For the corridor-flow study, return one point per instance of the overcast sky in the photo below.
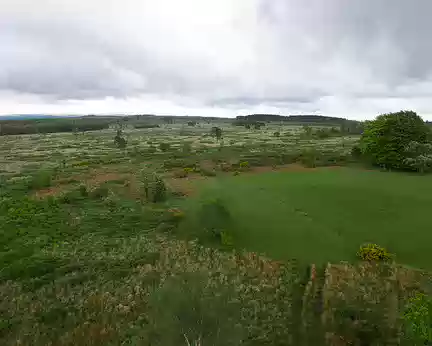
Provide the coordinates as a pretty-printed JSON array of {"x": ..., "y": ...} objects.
[{"x": 354, "y": 59}]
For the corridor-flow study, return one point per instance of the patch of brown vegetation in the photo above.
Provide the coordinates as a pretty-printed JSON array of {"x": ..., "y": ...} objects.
[{"x": 184, "y": 186}]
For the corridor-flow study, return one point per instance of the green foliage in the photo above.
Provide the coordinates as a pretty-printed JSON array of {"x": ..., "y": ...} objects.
[
  {"x": 418, "y": 320},
  {"x": 164, "y": 146},
  {"x": 154, "y": 188},
  {"x": 187, "y": 147},
  {"x": 99, "y": 192},
  {"x": 420, "y": 156},
  {"x": 385, "y": 139},
  {"x": 276, "y": 134},
  {"x": 207, "y": 172},
  {"x": 216, "y": 132},
  {"x": 119, "y": 140},
  {"x": 185, "y": 311},
  {"x": 373, "y": 252},
  {"x": 215, "y": 218},
  {"x": 356, "y": 152},
  {"x": 17, "y": 127},
  {"x": 192, "y": 123},
  {"x": 244, "y": 166},
  {"x": 40, "y": 180},
  {"x": 146, "y": 126}
]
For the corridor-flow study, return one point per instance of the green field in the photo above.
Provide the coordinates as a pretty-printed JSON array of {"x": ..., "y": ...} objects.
[{"x": 325, "y": 215}]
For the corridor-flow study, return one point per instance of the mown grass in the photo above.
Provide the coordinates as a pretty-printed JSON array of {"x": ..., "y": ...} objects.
[{"x": 324, "y": 214}]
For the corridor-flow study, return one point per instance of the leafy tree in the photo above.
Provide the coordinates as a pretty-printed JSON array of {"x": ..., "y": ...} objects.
[
  {"x": 420, "y": 156},
  {"x": 385, "y": 139}
]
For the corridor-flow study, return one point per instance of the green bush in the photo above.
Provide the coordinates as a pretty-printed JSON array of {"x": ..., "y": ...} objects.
[
  {"x": 40, "y": 180},
  {"x": 186, "y": 311},
  {"x": 154, "y": 189},
  {"x": 244, "y": 166},
  {"x": 385, "y": 139},
  {"x": 164, "y": 146},
  {"x": 373, "y": 252},
  {"x": 418, "y": 320},
  {"x": 215, "y": 218},
  {"x": 356, "y": 152},
  {"x": 99, "y": 192},
  {"x": 207, "y": 172},
  {"x": 276, "y": 134}
]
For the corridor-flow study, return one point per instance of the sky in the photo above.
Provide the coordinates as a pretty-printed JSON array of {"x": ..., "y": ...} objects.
[{"x": 354, "y": 59}]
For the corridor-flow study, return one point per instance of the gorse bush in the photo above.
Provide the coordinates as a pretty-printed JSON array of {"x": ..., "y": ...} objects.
[
  {"x": 385, "y": 139},
  {"x": 373, "y": 252}
]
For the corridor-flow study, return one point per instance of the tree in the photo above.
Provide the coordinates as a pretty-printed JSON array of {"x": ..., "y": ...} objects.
[
  {"x": 216, "y": 132},
  {"x": 385, "y": 139}
]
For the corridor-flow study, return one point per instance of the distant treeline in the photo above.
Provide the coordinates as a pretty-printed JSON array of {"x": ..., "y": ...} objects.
[
  {"x": 345, "y": 125},
  {"x": 20, "y": 127},
  {"x": 307, "y": 119}
]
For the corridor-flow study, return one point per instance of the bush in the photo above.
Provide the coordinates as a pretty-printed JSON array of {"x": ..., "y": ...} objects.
[
  {"x": 356, "y": 152},
  {"x": 418, "y": 320},
  {"x": 385, "y": 139},
  {"x": 164, "y": 146},
  {"x": 244, "y": 166},
  {"x": 276, "y": 134},
  {"x": 99, "y": 192},
  {"x": 207, "y": 172},
  {"x": 215, "y": 218},
  {"x": 373, "y": 252},
  {"x": 154, "y": 188},
  {"x": 186, "y": 311},
  {"x": 40, "y": 180}
]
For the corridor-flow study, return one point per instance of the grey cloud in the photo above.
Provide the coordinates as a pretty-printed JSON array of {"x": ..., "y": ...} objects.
[{"x": 289, "y": 54}]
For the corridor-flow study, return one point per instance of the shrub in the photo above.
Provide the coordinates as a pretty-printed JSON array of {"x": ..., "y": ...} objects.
[
  {"x": 276, "y": 134},
  {"x": 154, "y": 188},
  {"x": 164, "y": 146},
  {"x": 418, "y": 320},
  {"x": 244, "y": 166},
  {"x": 373, "y": 252},
  {"x": 215, "y": 218},
  {"x": 187, "y": 147},
  {"x": 99, "y": 192},
  {"x": 180, "y": 174},
  {"x": 385, "y": 139},
  {"x": 186, "y": 311},
  {"x": 40, "y": 180},
  {"x": 207, "y": 172},
  {"x": 356, "y": 152}
]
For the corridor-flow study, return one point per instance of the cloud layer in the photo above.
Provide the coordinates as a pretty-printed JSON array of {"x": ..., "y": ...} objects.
[{"x": 216, "y": 57}]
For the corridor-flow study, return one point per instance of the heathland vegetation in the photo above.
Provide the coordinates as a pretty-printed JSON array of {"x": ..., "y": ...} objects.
[{"x": 263, "y": 230}]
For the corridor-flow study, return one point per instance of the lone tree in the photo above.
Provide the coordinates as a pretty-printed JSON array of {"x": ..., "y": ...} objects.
[
  {"x": 385, "y": 139},
  {"x": 216, "y": 132}
]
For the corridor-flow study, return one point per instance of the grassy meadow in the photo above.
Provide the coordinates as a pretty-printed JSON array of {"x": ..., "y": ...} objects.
[
  {"x": 255, "y": 237},
  {"x": 323, "y": 215}
]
